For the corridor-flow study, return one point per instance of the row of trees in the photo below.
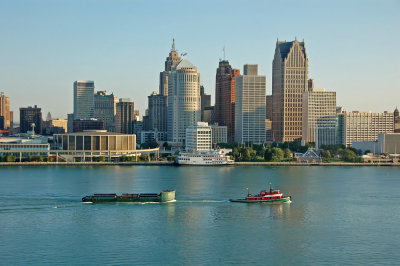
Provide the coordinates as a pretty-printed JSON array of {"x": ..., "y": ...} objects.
[
  {"x": 332, "y": 152},
  {"x": 259, "y": 153}
]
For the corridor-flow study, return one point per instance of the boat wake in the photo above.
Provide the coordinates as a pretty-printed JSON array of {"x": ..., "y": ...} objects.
[{"x": 202, "y": 201}]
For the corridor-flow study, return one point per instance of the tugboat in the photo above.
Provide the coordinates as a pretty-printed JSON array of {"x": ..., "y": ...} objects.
[
  {"x": 163, "y": 196},
  {"x": 270, "y": 196}
]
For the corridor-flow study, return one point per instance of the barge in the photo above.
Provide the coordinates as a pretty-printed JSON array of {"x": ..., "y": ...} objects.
[{"x": 163, "y": 196}]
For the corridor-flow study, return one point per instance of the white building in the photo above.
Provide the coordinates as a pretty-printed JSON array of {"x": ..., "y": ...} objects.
[
  {"x": 386, "y": 143},
  {"x": 198, "y": 137},
  {"x": 250, "y": 108},
  {"x": 184, "y": 102},
  {"x": 365, "y": 126},
  {"x": 83, "y": 99},
  {"x": 319, "y": 117},
  {"x": 219, "y": 133}
]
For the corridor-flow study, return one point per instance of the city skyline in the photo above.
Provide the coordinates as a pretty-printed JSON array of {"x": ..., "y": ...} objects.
[{"x": 47, "y": 49}]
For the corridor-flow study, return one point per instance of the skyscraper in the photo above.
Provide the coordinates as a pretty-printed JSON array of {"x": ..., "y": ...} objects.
[
  {"x": 125, "y": 116},
  {"x": 225, "y": 85},
  {"x": 105, "y": 108},
  {"x": 171, "y": 61},
  {"x": 29, "y": 116},
  {"x": 319, "y": 117},
  {"x": 158, "y": 114},
  {"x": 289, "y": 81},
  {"x": 83, "y": 99},
  {"x": 205, "y": 102},
  {"x": 5, "y": 110},
  {"x": 184, "y": 103},
  {"x": 250, "y": 109}
]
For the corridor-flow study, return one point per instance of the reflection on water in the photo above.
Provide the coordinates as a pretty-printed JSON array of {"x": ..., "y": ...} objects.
[{"x": 339, "y": 215}]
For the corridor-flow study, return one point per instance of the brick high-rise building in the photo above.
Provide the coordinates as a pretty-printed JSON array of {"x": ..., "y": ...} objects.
[
  {"x": 29, "y": 116},
  {"x": 225, "y": 88},
  {"x": 5, "y": 110},
  {"x": 125, "y": 116},
  {"x": 157, "y": 113},
  {"x": 289, "y": 81}
]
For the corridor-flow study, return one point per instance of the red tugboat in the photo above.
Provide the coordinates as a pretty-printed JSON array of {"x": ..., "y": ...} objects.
[{"x": 271, "y": 196}]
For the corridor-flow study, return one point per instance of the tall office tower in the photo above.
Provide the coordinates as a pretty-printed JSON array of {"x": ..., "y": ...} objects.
[
  {"x": 225, "y": 85},
  {"x": 170, "y": 62},
  {"x": 289, "y": 81},
  {"x": 205, "y": 102},
  {"x": 105, "y": 108},
  {"x": 70, "y": 126},
  {"x": 319, "y": 117},
  {"x": 5, "y": 110},
  {"x": 158, "y": 113},
  {"x": 29, "y": 116},
  {"x": 250, "y": 106},
  {"x": 396, "y": 121},
  {"x": 184, "y": 102},
  {"x": 364, "y": 126},
  {"x": 198, "y": 137},
  {"x": 83, "y": 99},
  {"x": 124, "y": 116},
  {"x": 268, "y": 119}
]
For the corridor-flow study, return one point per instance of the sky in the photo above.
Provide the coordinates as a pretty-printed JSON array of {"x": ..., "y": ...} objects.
[{"x": 45, "y": 45}]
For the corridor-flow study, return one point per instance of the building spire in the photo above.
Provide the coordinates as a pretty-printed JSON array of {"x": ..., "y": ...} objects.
[{"x": 173, "y": 45}]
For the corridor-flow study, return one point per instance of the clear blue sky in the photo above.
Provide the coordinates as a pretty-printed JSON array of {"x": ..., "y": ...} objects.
[{"x": 353, "y": 46}]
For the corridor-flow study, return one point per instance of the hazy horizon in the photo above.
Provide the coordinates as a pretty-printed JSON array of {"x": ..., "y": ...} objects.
[{"x": 122, "y": 46}]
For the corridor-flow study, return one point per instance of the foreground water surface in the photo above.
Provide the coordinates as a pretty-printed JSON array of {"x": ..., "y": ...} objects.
[{"x": 339, "y": 215}]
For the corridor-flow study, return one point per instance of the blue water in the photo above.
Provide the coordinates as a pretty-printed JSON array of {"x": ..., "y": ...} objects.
[{"x": 339, "y": 215}]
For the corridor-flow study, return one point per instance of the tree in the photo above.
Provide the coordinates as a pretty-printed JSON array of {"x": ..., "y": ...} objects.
[
  {"x": 325, "y": 154},
  {"x": 348, "y": 155},
  {"x": 11, "y": 158},
  {"x": 277, "y": 154},
  {"x": 268, "y": 154},
  {"x": 287, "y": 154}
]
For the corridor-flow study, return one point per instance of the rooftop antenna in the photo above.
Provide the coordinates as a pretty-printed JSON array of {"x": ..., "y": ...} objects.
[
  {"x": 173, "y": 44},
  {"x": 223, "y": 49}
]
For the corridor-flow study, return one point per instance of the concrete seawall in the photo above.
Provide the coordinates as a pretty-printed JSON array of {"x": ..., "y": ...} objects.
[{"x": 164, "y": 163}]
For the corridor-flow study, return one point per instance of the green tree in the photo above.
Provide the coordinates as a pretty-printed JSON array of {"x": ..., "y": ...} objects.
[
  {"x": 268, "y": 154},
  {"x": 11, "y": 158},
  {"x": 277, "y": 154},
  {"x": 246, "y": 154},
  {"x": 286, "y": 153},
  {"x": 348, "y": 155},
  {"x": 325, "y": 154}
]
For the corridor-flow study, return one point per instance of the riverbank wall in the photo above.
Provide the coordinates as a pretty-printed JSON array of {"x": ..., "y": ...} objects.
[{"x": 167, "y": 163}]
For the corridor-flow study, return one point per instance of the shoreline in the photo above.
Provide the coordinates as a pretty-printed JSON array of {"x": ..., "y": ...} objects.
[{"x": 163, "y": 163}]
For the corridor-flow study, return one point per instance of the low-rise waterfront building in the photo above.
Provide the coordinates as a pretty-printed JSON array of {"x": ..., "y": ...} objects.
[
  {"x": 388, "y": 143},
  {"x": 198, "y": 137}
]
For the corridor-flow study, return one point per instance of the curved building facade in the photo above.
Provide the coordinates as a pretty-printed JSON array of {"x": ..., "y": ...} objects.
[
  {"x": 96, "y": 142},
  {"x": 184, "y": 102}
]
